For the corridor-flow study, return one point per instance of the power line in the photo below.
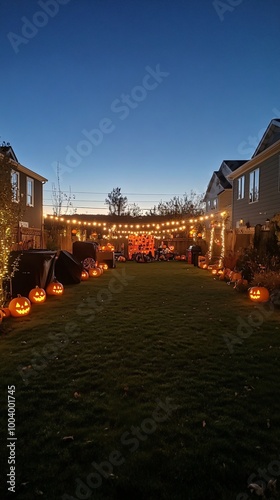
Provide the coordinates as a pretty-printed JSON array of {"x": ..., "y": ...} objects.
[{"x": 130, "y": 194}]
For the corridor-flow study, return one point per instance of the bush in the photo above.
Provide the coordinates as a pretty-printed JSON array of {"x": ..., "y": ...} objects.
[{"x": 269, "y": 279}]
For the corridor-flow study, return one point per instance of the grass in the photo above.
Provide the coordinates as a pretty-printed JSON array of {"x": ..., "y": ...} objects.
[{"x": 162, "y": 337}]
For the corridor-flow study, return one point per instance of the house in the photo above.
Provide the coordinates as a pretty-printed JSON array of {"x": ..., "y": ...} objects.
[
  {"x": 218, "y": 196},
  {"x": 256, "y": 183},
  {"x": 27, "y": 190}
]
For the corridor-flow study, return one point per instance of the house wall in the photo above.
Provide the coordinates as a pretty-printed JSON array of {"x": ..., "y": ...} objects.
[
  {"x": 32, "y": 215},
  {"x": 269, "y": 195}
]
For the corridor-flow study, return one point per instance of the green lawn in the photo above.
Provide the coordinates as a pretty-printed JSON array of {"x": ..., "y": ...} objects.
[{"x": 147, "y": 378}]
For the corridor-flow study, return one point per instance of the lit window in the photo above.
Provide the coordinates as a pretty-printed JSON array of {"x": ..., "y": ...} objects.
[
  {"x": 240, "y": 187},
  {"x": 215, "y": 203},
  {"x": 254, "y": 185},
  {"x": 15, "y": 185},
  {"x": 29, "y": 192}
]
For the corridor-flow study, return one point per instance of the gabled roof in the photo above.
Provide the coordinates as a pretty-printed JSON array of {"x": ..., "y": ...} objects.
[
  {"x": 221, "y": 178},
  {"x": 8, "y": 152},
  {"x": 271, "y": 135},
  {"x": 234, "y": 164}
]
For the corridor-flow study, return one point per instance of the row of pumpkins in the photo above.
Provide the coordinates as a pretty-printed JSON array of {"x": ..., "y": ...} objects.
[
  {"x": 21, "y": 306},
  {"x": 256, "y": 293}
]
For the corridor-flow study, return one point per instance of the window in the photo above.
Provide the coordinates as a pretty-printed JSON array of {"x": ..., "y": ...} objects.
[
  {"x": 215, "y": 203},
  {"x": 208, "y": 204},
  {"x": 15, "y": 185},
  {"x": 254, "y": 186},
  {"x": 240, "y": 187},
  {"x": 29, "y": 192}
]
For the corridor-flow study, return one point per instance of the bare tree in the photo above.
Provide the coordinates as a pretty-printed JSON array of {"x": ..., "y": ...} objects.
[
  {"x": 116, "y": 202},
  {"x": 133, "y": 210},
  {"x": 59, "y": 197},
  {"x": 190, "y": 204}
]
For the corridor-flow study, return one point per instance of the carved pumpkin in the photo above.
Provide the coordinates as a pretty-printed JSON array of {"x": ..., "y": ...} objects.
[
  {"x": 37, "y": 295},
  {"x": 95, "y": 272},
  {"x": 5, "y": 312},
  {"x": 84, "y": 275},
  {"x": 20, "y": 306},
  {"x": 183, "y": 257},
  {"x": 259, "y": 294},
  {"x": 121, "y": 258},
  {"x": 55, "y": 288},
  {"x": 104, "y": 266}
]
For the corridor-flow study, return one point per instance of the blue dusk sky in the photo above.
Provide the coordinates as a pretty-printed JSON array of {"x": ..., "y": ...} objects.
[{"x": 147, "y": 95}]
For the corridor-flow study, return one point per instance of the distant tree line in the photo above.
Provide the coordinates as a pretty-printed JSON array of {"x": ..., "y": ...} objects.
[{"x": 189, "y": 204}]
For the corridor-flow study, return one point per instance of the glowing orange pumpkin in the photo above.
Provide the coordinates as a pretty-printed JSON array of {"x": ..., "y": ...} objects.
[
  {"x": 178, "y": 257},
  {"x": 20, "y": 306},
  {"x": 104, "y": 266},
  {"x": 37, "y": 295},
  {"x": 183, "y": 257},
  {"x": 259, "y": 294},
  {"x": 95, "y": 272},
  {"x": 55, "y": 288},
  {"x": 235, "y": 276},
  {"x": 121, "y": 258},
  {"x": 84, "y": 275}
]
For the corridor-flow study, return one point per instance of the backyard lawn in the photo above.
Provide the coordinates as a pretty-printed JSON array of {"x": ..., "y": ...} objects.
[{"x": 151, "y": 382}]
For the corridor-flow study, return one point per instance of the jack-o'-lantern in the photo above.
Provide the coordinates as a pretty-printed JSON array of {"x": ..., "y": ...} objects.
[
  {"x": 37, "y": 295},
  {"x": 178, "y": 257},
  {"x": 55, "y": 288},
  {"x": 259, "y": 294},
  {"x": 214, "y": 272},
  {"x": 104, "y": 266},
  {"x": 5, "y": 312},
  {"x": 84, "y": 275},
  {"x": 20, "y": 306},
  {"x": 183, "y": 257},
  {"x": 94, "y": 272},
  {"x": 121, "y": 258}
]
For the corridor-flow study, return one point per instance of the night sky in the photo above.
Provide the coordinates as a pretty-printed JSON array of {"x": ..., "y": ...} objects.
[{"x": 149, "y": 95}]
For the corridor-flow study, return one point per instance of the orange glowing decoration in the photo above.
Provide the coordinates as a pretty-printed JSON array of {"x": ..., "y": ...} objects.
[
  {"x": 95, "y": 272},
  {"x": 104, "y": 266},
  {"x": 259, "y": 294},
  {"x": 183, "y": 257},
  {"x": 20, "y": 306},
  {"x": 121, "y": 258},
  {"x": 37, "y": 295},
  {"x": 84, "y": 275},
  {"x": 55, "y": 288},
  {"x": 5, "y": 312},
  {"x": 235, "y": 276}
]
